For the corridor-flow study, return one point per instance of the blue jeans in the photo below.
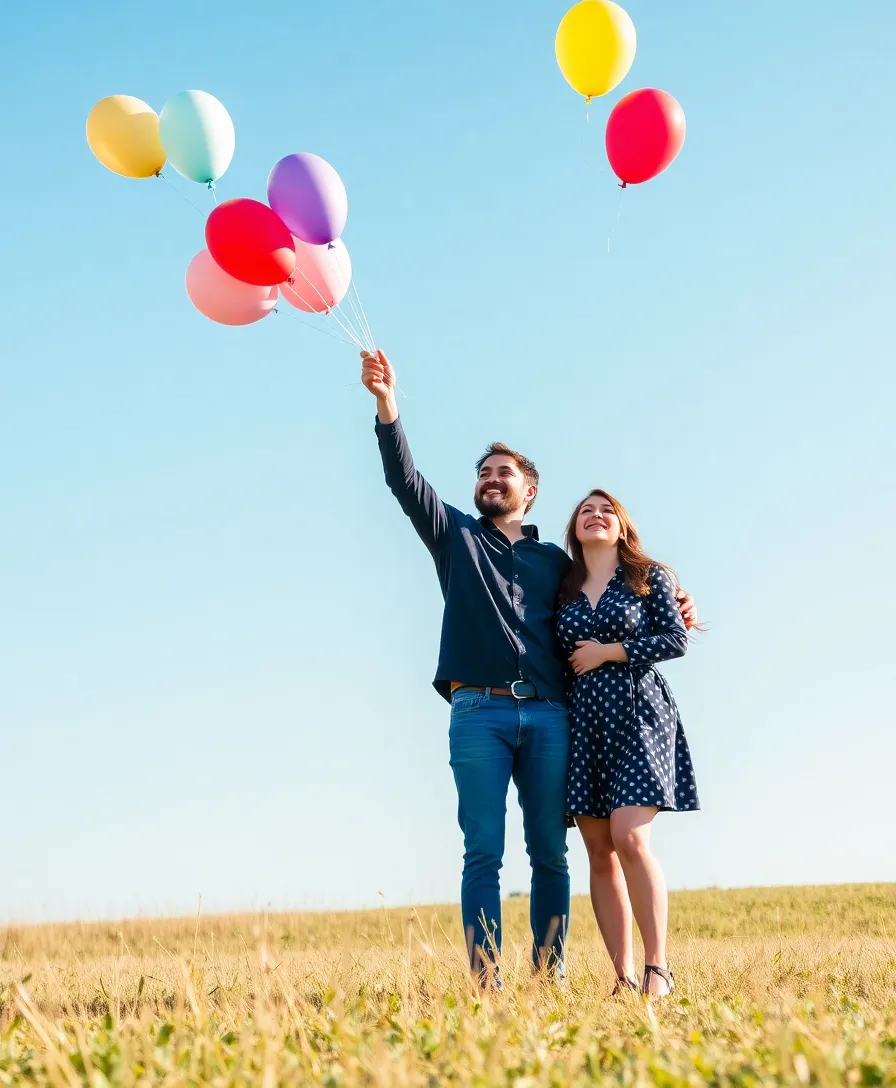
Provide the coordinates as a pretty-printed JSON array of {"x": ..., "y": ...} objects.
[{"x": 492, "y": 739}]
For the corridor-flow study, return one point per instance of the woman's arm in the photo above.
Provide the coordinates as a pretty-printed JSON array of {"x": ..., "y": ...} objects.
[{"x": 668, "y": 638}]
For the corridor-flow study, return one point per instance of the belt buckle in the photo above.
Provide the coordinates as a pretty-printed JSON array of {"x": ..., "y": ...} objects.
[{"x": 519, "y": 698}]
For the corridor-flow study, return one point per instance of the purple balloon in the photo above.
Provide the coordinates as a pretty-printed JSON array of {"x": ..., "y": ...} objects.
[{"x": 308, "y": 195}]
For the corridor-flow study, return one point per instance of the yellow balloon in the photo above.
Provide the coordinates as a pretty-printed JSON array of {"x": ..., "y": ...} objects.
[
  {"x": 595, "y": 46},
  {"x": 123, "y": 133}
]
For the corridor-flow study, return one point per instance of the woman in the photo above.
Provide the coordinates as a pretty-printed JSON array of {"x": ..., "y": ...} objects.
[{"x": 629, "y": 760}]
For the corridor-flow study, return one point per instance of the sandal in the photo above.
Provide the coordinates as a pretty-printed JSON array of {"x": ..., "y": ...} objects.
[
  {"x": 660, "y": 972},
  {"x": 623, "y": 985}
]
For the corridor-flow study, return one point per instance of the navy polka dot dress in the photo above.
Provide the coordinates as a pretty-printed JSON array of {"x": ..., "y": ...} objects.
[{"x": 628, "y": 746}]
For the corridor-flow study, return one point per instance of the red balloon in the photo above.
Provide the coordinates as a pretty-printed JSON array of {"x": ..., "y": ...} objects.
[
  {"x": 250, "y": 242},
  {"x": 645, "y": 132}
]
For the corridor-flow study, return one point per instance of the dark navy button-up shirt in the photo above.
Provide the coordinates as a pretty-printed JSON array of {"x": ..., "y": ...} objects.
[{"x": 500, "y": 598}]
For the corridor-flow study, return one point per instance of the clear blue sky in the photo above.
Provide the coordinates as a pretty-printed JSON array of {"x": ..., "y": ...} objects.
[{"x": 217, "y": 629}]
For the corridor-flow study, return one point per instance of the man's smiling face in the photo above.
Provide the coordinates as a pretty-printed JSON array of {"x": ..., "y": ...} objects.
[{"x": 502, "y": 489}]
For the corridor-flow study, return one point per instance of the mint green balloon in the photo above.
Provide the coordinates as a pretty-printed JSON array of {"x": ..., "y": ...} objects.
[{"x": 197, "y": 135}]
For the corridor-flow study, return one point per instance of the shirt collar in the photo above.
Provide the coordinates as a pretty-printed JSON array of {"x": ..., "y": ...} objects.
[{"x": 530, "y": 531}]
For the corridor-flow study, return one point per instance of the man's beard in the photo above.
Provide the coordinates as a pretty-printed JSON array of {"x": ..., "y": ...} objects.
[{"x": 496, "y": 506}]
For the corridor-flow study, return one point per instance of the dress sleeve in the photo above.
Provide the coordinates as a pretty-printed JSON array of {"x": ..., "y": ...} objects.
[
  {"x": 667, "y": 637},
  {"x": 416, "y": 497}
]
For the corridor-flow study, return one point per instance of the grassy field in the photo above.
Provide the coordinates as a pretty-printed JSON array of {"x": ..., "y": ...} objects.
[{"x": 776, "y": 986}]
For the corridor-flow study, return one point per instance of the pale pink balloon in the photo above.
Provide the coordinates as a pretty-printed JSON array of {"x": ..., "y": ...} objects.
[
  {"x": 321, "y": 279},
  {"x": 222, "y": 298}
]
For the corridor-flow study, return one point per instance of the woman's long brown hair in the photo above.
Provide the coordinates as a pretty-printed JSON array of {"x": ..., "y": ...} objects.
[{"x": 635, "y": 564}]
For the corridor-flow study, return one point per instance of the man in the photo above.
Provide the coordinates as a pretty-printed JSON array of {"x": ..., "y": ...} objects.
[{"x": 500, "y": 669}]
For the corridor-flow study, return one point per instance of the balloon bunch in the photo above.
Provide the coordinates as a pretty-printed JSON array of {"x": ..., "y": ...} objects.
[
  {"x": 255, "y": 252},
  {"x": 595, "y": 48}
]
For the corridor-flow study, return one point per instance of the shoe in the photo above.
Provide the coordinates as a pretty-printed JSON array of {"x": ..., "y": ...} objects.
[
  {"x": 490, "y": 979},
  {"x": 549, "y": 967},
  {"x": 624, "y": 984},
  {"x": 660, "y": 972},
  {"x": 558, "y": 974}
]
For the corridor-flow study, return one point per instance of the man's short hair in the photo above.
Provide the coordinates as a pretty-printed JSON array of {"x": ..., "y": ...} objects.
[{"x": 526, "y": 467}]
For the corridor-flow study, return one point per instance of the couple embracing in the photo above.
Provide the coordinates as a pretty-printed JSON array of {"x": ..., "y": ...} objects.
[{"x": 548, "y": 661}]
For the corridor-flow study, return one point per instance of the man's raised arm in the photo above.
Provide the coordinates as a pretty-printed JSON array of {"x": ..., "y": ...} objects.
[{"x": 415, "y": 496}]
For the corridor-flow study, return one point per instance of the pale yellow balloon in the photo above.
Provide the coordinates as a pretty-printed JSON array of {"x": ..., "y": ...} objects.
[
  {"x": 123, "y": 133},
  {"x": 595, "y": 46}
]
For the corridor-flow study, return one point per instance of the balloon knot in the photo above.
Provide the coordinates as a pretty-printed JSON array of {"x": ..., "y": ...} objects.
[
  {"x": 623, "y": 184},
  {"x": 211, "y": 186},
  {"x": 587, "y": 99},
  {"x": 330, "y": 246}
]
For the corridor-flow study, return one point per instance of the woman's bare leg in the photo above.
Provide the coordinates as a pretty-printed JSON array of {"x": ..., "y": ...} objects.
[
  {"x": 630, "y": 833},
  {"x": 609, "y": 895}
]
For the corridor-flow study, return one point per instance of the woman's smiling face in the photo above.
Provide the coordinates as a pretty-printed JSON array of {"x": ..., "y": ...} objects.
[{"x": 597, "y": 522}]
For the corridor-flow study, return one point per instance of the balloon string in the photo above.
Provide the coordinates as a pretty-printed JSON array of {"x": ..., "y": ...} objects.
[
  {"x": 363, "y": 329},
  {"x": 368, "y": 343},
  {"x": 353, "y": 287},
  {"x": 582, "y": 140},
  {"x": 341, "y": 319},
  {"x": 616, "y": 220},
  {"x": 214, "y": 191},
  {"x": 338, "y": 311},
  {"x": 311, "y": 285},
  {"x": 349, "y": 329},
  {"x": 356, "y": 340},
  {"x": 316, "y": 328},
  {"x": 183, "y": 196}
]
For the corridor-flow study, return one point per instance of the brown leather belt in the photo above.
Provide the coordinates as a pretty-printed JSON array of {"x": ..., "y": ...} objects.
[
  {"x": 455, "y": 686},
  {"x": 473, "y": 687}
]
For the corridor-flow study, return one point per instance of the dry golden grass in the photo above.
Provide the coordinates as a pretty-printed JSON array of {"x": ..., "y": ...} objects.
[{"x": 776, "y": 986}]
